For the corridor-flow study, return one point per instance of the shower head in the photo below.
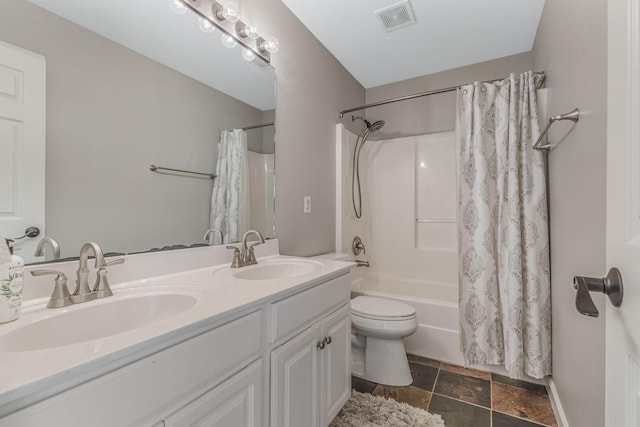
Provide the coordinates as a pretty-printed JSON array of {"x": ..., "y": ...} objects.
[
  {"x": 376, "y": 126},
  {"x": 366, "y": 122},
  {"x": 372, "y": 127}
]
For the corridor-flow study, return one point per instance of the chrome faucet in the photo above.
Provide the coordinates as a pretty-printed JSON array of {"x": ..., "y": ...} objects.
[
  {"x": 55, "y": 247},
  {"x": 61, "y": 297},
  {"x": 82, "y": 292},
  {"x": 208, "y": 235},
  {"x": 247, "y": 256},
  {"x": 247, "y": 251},
  {"x": 101, "y": 288}
]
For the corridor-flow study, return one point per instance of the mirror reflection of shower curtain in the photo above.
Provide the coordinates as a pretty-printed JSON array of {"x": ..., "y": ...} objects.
[{"x": 230, "y": 195}]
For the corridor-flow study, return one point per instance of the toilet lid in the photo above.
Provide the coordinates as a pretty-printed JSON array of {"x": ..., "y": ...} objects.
[{"x": 381, "y": 308}]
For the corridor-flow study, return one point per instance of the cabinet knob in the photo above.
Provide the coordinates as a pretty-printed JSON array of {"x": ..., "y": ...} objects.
[
  {"x": 327, "y": 340},
  {"x": 320, "y": 344}
]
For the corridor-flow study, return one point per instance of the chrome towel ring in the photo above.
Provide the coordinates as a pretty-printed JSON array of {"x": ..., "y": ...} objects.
[{"x": 574, "y": 116}]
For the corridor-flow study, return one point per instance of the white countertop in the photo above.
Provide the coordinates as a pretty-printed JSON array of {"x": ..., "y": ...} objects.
[{"x": 27, "y": 377}]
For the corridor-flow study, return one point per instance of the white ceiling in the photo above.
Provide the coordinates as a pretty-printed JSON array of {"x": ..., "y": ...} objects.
[
  {"x": 448, "y": 34},
  {"x": 152, "y": 29}
]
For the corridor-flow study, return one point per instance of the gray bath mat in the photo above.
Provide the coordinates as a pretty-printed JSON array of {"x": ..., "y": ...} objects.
[{"x": 366, "y": 410}]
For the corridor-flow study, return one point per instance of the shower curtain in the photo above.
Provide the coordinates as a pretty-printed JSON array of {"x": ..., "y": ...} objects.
[
  {"x": 503, "y": 248},
  {"x": 230, "y": 196}
]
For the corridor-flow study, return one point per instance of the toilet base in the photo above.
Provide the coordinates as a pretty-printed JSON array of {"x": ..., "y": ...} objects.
[{"x": 385, "y": 363}]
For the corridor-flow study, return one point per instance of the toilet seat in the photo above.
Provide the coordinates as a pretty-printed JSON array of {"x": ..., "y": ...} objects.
[
  {"x": 381, "y": 309},
  {"x": 383, "y": 328}
]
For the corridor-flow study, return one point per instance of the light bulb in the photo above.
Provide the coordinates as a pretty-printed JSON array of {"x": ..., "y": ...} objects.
[
  {"x": 270, "y": 44},
  {"x": 178, "y": 7},
  {"x": 248, "y": 54},
  {"x": 247, "y": 31},
  {"x": 253, "y": 31},
  {"x": 231, "y": 12},
  {"x": 205, "y": 25},
  {"x": 228, "y": 41}
]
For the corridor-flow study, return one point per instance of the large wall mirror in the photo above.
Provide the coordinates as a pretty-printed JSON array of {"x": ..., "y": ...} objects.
[{"x": 130, "y": 84}]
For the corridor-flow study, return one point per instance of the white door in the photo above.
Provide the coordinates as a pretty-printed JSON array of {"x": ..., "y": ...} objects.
[
  {"x": 22, "y": 145},
  {"x": 623, "y": 213}
]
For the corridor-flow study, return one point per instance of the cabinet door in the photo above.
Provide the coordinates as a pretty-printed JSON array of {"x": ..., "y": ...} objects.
[
  {"x": 236, "y": 402},
  {"x": 295, "y": 376},
  {"x": 336, "y": 362}
]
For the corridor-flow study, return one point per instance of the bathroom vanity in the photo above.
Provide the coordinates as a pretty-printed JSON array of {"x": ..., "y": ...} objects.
[{"x": 264, "y": 345}]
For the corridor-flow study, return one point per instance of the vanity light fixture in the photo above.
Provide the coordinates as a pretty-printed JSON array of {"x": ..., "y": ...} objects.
[
  {"x": 270, "y": 45},
  {"x": 226, "y": 17},
  {"x": 251, "y": 31},
  {"x": 231, "y": 12}
]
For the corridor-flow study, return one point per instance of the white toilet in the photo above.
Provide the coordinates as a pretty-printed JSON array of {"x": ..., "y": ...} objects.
[{"x": 378, "y": 326}]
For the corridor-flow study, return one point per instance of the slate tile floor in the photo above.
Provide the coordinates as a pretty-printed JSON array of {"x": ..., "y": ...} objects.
[{"x": 469, "y": 398}]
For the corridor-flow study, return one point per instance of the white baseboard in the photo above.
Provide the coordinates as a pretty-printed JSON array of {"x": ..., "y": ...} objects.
[{"x": 561, "y": 418}]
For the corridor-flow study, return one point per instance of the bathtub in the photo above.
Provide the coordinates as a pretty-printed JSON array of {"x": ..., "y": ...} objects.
[{"x": 438, "y": 335}]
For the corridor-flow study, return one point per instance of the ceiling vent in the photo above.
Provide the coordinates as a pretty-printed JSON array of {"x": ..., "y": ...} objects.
[{"x": 396, "y": 16}]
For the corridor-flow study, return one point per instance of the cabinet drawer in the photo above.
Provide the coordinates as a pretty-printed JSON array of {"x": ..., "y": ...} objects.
[{"x": 293, "y": 313}]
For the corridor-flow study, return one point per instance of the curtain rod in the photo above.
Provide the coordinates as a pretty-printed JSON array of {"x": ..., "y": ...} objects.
[
  {"x": 418, "y": 95},
  {"x": 259, "y": 126}
]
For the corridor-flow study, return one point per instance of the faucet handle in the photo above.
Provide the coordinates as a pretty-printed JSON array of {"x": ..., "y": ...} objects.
[
  {"x": 46, "y": 273},
  {"x": 357, "y": 246},
  {"x": 237, "y": 261},
  {"x": 102, "y": 287},
  {"x": 251, "y": 255},
  {"x": 60, "y": 296}
]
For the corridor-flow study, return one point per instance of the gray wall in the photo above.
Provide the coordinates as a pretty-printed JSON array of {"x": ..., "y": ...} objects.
[
  {"x": 110, "y": 114},
  {"x": 434, "y": 113},
  {"x": 571, "y": 46},
  {"x": 311, "y": 87}
]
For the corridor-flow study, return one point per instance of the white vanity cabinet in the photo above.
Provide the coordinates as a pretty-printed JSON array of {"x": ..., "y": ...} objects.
[
  {"x": 281, "y": 361},
  {"x": 215, "y": 365},
  {"x": 310, "y": 372}
]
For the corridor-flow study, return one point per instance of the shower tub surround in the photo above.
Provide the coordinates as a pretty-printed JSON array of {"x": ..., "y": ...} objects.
[
  {"x": 408, "y": 227},
  {"x": 228, "y": 357}
]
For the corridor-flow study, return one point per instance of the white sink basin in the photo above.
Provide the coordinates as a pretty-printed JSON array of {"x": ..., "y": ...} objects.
[
  {"x": 96, "y": 319},
  {"x": 276, "y": 269}
]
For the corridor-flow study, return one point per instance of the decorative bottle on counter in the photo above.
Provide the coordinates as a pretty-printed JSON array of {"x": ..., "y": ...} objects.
[{"x": 11, "y": 277}]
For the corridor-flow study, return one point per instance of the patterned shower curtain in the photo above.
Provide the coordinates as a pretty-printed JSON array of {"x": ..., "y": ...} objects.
[
  {"x": 503, "y": 248},
  {"x": 230, "y": 196}
]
